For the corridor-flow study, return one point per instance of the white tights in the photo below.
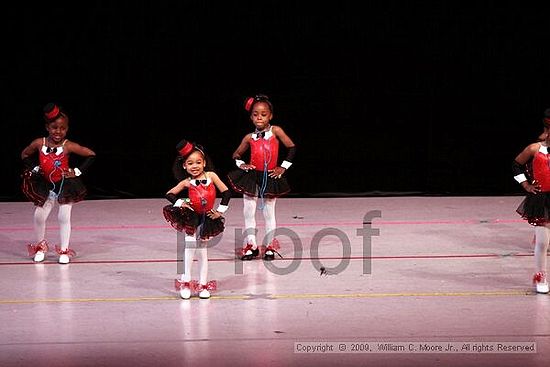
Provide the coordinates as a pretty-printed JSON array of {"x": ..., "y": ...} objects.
[
  {"x": 191, "y": 251},
  {"x": 41, "y": 214},
  {"x": 249, "y": 211},
  {"x": 542, "y": 237}
]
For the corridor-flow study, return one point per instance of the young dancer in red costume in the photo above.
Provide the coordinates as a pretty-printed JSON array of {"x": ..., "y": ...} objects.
[
  {"x": 195, "y": 215},
  {"x": 263, "y": 177},
  {"x": 532, "y": 170},
  {"x": 52, "y": 179}
]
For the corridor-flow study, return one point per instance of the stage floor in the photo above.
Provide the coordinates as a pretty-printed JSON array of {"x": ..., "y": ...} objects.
[{"x": 405, "y": 277}]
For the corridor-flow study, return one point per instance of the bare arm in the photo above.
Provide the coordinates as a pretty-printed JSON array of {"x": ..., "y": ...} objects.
[
  {"x": 182, "y": 185},
  {"x": 282, "y": 136},
  {"x": 527, "y": 153},
  {"x": 242, "y": 148},
  {"x": 31, "y": 148},
  {"x": 220, "y": 185},
  {"x": 29, "y": 161},
  {"x": 78, "y": 149}
]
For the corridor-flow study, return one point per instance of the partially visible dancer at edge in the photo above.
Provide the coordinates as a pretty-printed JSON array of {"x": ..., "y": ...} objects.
[{"x": 531, "y": 169}]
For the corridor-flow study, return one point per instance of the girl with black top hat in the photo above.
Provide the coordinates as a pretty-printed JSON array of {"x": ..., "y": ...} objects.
[
  {"x": 50, "y": 179},
  {"x": 195, "y": 215}
]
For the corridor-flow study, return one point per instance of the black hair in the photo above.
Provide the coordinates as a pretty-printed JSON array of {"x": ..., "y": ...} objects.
[
  {"x": 52, "y": 112},
  {"x": 180, "y": 173},
  {"x": 546, "y": 119},
  {"x": 261, "y": 98}
]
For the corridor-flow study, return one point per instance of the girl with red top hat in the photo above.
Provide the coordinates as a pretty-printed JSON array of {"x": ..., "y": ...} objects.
[
  {"x": 262, "y": 177},
  {"x": 195, "y": 215},
  {"x": 531, "y": 170},
  {"x": 52, "y": 179}
]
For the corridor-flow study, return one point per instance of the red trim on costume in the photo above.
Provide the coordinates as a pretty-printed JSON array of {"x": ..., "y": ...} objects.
[
  {"x": 538, "y": 277},
  {"x": 53, "y": 113},
  {"x": 248, "y": 246},
  {"x": 29, "y": 190},
  {"x": 547, "y": 120},
  {"x": 248, "y": 104},
  {"x": 68, "y": 251},
  {"x": 210, "y": 286},
  {"x": 186, "y": 149},
  {"x": 40, "y": 246},
  {"x": 274, "y": 245},
  {"x": 178, "y": 284},
  {"x": 194, "y": 285}
]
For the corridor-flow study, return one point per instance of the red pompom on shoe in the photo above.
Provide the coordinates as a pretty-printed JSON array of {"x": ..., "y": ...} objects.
[
  {"x": 248, "y": 253},
  {"x": 67, "y": 251},
  {"x": 271, "y": 250},
  {"x": 541, "y": 284},
  {"x": 40, "y": 246}
]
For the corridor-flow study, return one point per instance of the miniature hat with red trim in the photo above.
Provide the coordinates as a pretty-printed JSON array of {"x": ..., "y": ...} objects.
[
  {"x": 184, "y": 147},
  {"x": 51, "y": 112}
]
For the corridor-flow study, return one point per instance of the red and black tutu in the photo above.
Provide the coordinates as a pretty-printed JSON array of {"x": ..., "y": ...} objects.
[
  {"x": 185, "y": 220},
  {"x": 257, "y": 183},
  {"x": 37, "y": 189},
  {"x": 535, "y": 208}
]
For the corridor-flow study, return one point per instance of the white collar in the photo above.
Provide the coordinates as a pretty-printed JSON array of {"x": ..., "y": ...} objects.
[
  {"x": 193, "y": 181},
  {"x": 266, "y": 134},
  {"x": 58, "y": 150}
]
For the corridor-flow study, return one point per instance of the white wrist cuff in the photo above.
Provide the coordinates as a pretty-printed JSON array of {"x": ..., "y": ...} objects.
[
  {"x": 520, "y": 178},
  {"x": 36, "y": 169},
  {"x": 179, "y": 203},
  {"x": 77, "y": 172},
  {"x": 239, "y": 163},
  {"x": 222, "y": 208},
  {"x": 286, "y": 164}
]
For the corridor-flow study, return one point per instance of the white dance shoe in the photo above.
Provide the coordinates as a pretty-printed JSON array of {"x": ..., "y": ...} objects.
[
  {"x": 64, "y": 259},
  {"x": 39, "y": 256},
  {"x": 541, "y": 282}
]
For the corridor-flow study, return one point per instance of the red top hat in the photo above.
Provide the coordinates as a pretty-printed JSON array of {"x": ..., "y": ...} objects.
[
  {"x": 184, "y": 147},
  {"x": 51, "y": 112}
]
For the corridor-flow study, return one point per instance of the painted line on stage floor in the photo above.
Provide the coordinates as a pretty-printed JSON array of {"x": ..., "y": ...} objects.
[
  {"x": 293, "y": 224},
  {"x": 275, "y": 297},
  {"x": 338, "y": 258}
]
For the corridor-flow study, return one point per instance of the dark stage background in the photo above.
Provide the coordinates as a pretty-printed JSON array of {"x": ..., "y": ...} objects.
[{"x": 410, "y": 97}]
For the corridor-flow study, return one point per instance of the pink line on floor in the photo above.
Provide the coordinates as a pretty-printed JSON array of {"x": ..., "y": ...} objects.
[
  {"x": 332, "y": 224},
  {"x": 406, "y": 257}
]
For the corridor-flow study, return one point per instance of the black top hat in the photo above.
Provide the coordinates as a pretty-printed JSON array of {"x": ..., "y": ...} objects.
[
  {"x": 184, "y": 147},
  {"x": 51, "y": 112}
]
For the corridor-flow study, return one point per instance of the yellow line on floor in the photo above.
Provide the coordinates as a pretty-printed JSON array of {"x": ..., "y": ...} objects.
[
  {"x": 412, "y": 294},
  {"x": 275, "y": 296}
]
